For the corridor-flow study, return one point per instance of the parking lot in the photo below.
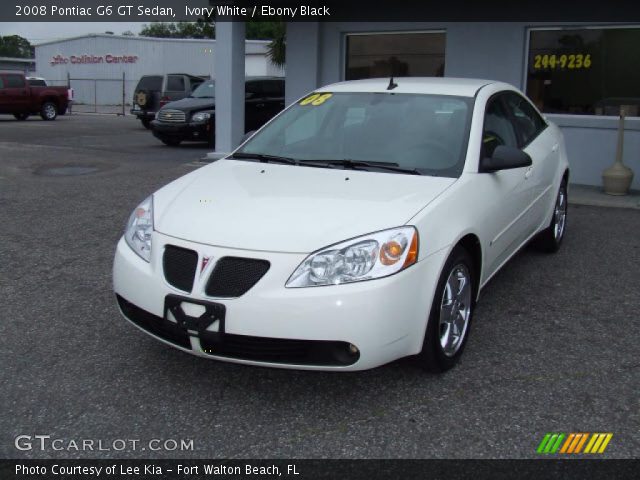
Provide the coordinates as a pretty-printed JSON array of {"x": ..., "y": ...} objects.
[{"x": 553, "y": 348}]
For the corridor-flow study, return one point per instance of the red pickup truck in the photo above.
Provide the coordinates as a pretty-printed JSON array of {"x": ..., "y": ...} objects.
[{"x": 19, "y": 99}]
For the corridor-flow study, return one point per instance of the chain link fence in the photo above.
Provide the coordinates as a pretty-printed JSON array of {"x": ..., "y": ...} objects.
[{"x": 99, "y": 95}]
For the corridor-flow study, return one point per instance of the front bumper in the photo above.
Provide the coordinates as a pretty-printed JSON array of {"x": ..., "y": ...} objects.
[
  {"x": 384, "y": 318},
  {"x": 201, "y": 131}
]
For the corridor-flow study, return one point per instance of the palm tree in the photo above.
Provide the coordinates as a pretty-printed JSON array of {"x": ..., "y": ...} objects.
[{"x": 277, "y": 48}]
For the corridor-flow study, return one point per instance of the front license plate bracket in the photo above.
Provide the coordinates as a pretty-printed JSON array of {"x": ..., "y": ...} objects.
[{"x": 198, "y": 325}]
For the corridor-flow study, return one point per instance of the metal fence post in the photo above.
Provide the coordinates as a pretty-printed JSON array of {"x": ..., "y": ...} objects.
[
  {"x": 68, "y": 90},
  {"x": 123, "y": 92}
]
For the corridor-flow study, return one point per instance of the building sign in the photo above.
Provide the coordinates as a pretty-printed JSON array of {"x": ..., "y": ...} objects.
[{"x": 92, "y": 59}]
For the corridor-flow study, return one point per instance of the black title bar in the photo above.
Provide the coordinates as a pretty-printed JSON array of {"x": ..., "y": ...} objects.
[
  {"x": 543, "y": 468},
  {"x": 315, "y": 10}
]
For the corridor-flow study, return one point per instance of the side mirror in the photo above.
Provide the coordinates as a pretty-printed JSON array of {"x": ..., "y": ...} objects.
[{"x": 505, "y": 158}]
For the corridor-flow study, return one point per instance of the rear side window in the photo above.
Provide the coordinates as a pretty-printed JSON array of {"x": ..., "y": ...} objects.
[
  {"x": 273, "y": 88},
  {"x": 151, "y": 82},
  {"x": 175, "y": 83},
  {"x": 528, "y": 122},
  {"x": 14, "y": 81}
]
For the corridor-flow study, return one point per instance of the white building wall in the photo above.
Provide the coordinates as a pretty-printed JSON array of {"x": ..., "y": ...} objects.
[{"x": 101, "y": 83}]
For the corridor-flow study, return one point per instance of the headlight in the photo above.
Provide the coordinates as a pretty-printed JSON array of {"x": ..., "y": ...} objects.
[
  {"x": 139, "y": 229},
  {"x": 371, "y": 256},
  {"x": 200, "y": 117}
]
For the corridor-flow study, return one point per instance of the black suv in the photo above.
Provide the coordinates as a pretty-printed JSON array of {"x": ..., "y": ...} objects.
[
  {"x": 193, "y": 118},
  {"x": 155, "y": 91}
]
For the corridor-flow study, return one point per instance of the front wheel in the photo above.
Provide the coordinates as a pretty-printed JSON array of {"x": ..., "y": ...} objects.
[
  {"x": 146, "y": 123},
  {"x": 450, "y": 315},
  {"x": 550, "y": 239},
  {"x": 21, "y": 116},
  {"x": 49, "y": 111}
]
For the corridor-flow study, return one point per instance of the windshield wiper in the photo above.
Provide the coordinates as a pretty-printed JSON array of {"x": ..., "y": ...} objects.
[
  {"x": 261, "y": 157},
  {"x": 361, "y": 164}
]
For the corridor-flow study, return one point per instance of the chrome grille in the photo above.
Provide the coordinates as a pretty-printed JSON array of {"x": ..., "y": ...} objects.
[{"x": 171, "y": 116}]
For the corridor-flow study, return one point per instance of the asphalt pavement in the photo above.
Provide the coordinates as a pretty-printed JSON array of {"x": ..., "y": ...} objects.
[{"x": 553, "y": 347}]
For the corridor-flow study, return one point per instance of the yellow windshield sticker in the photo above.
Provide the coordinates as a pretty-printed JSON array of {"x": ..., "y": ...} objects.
[{"x": 316, "y": 99}]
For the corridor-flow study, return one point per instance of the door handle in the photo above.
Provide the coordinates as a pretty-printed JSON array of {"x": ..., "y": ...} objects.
[
  {"x": 528, "y": 173},
  {"x": 259, "y": 105},
  {"x": 554, "y": 148}
]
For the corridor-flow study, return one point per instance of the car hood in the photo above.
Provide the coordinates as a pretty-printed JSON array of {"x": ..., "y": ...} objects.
[
  {"x": 188, "y": 104},
  {"x": 283, "y": 208}
]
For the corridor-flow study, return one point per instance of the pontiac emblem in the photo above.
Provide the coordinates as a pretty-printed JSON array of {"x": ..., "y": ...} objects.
[{"x": 205, "y": 262}]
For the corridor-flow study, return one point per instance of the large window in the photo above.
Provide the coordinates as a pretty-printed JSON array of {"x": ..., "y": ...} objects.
[
  {"x": 400, "y": 54},
  {"x": 588, "y": 71}
]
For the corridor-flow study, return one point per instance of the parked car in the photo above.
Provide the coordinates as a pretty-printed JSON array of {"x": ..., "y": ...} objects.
[
  {"x": 193, "y": 118},
  {"x": 20, "y": 99},
  {"x": 154, "y": 91},
  {"x": 37, "y": 81},
  {"x": 359, "y": 226}
]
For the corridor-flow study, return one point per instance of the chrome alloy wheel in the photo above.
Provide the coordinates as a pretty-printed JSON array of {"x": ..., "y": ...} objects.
[
  {"x": 455, "y": 310},
  {"x": 49, "y": 111},
  {"x": 560, "y": 213}
]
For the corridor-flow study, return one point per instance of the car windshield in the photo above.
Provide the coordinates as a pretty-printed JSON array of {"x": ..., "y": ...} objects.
[
  {"x": 417, "y": 133},
  {"x": 205, "y": 90}
]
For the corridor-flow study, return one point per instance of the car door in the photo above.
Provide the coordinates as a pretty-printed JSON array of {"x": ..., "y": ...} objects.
[
  {"x": 4, "y": 98},
  {"x": 506, "y": 223},
  {"x": 14, "y": 95},
  {"x": 541, "y": 144}
]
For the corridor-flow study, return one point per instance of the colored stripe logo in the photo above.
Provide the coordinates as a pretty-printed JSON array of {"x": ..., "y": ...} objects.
[{"x": 573, "y": 443}]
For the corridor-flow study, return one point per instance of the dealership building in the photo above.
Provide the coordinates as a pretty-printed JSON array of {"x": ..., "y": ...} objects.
[
  {"x": 578, "y": 74},
  {"x": 100, "y": 68}
]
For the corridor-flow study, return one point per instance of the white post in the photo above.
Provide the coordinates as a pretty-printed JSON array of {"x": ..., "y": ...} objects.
[
  {"x": 229, "y": 76},
  {"x": 303, "y": 59}
]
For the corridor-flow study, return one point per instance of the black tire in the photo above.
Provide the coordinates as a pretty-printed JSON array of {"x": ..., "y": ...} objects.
[
  {"x": 433, "y": 356},
  {"x": 171, "y": 142},
  {"x": 21, "y": 116},
  {"x": 146, "y": 123},
  {"x": 550, "y": 239},
  {"x": 49, "y": 111}
]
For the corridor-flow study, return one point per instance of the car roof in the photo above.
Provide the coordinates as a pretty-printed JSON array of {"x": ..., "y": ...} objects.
[{"x": 461, "y": 87}]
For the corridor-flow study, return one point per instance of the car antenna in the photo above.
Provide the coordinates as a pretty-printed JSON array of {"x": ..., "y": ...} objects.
[{"x": 392, "y": 85}]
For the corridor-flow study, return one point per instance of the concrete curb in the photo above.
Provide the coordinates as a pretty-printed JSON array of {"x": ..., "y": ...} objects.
[{"x": 595, "y": 197}]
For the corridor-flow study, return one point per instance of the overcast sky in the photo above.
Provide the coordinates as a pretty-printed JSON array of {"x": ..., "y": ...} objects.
[{"x": 37, "y": 32}]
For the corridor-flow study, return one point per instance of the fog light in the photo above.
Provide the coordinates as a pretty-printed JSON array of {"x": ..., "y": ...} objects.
[{"x": 353, "y": 349}]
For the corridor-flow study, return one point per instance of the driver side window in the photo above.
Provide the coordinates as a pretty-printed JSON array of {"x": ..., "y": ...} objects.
[{"x": 498, "y": 129}]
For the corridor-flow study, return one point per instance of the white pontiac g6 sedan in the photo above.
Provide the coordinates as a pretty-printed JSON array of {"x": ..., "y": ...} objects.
[{"x": 357, "y": 227}]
